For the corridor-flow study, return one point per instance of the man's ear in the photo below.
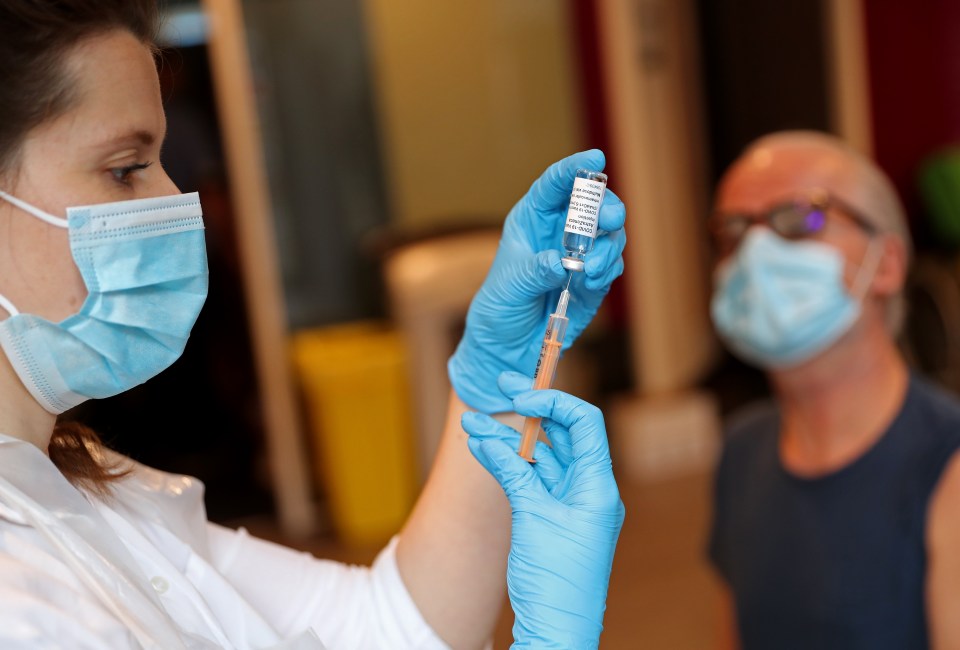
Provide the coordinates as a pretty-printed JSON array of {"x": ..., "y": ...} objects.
[{"x": 892, "y": 269}]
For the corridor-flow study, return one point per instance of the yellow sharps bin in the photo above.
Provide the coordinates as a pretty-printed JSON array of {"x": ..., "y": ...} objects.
[{"x": 355, "y": 388}]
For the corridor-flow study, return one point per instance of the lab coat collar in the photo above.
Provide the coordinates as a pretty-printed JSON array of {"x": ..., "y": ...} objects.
[
  {"x": 36, "y": 492},
  {"x": 171, "y": 501}
]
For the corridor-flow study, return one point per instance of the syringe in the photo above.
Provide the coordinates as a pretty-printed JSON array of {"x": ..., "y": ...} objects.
[{"x": 546, "y": 369}]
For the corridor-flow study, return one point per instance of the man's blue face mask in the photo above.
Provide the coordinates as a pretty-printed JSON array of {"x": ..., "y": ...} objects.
[
  {"x": 778, "y": 303},
  {"x": 144, "y": 264}
]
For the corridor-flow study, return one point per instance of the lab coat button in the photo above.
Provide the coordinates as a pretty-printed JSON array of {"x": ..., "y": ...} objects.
[{"x": 159, "y": 584}]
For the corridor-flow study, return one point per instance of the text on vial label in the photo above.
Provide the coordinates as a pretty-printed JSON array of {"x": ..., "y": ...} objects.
[{"x": 584, "y": 208}]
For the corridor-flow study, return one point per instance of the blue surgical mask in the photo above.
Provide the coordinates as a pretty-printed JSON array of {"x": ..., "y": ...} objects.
[
  {"x": 144, "y": 264},
  {"x": 778, "y": 303}
]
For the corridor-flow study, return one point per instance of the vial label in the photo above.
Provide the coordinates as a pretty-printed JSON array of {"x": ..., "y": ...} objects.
[{"x": 584, "y": 208}]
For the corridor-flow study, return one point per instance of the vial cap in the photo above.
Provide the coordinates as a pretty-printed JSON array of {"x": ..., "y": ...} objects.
[{"x": 571, "y": 264}]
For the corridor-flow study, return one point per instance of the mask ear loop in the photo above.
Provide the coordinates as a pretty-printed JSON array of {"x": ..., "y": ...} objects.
[
  {"x": 59, "y": 222},
  {"x": 8, "y": 306},
  {"x": 868, "y": 268}
]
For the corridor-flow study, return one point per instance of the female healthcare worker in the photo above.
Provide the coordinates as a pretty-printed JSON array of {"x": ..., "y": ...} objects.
[{"x": 97, "y": 551}]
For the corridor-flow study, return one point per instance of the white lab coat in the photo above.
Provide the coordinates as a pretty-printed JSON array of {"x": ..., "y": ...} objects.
[{"x": 146, "y": 569}]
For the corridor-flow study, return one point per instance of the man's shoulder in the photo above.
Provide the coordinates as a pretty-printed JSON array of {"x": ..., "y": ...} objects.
[{"x": 935, "y": 404}]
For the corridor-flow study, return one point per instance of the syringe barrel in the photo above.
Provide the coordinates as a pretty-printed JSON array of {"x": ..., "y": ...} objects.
[
  {"x": 550, "y": 352},
  {"x": 528, "y": 439},
  {"x": 543, "y": 378}
]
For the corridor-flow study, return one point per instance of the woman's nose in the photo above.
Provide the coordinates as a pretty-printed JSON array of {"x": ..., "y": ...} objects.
[{"x": 165, "y": 185}]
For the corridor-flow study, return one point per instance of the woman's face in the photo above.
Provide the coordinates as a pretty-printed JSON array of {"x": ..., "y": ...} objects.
[{"x": 105, "y": 148}]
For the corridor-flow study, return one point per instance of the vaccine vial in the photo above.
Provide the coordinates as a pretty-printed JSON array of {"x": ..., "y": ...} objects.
[{"x": 580, "y": 230}]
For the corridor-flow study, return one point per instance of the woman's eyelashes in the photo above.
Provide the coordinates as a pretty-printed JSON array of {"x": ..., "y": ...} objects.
[{"x": 124, "y": 174}]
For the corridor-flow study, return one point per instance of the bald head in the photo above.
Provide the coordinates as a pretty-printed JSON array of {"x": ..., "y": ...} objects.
[
  {"x": 778, "y": 165},
  {"x": 781, "y": 165}
]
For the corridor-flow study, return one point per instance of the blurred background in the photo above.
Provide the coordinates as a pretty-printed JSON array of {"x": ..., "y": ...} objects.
[{"x": 355, "y": 161}]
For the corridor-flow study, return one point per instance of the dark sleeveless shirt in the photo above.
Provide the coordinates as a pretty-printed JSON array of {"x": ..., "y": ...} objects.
[{"x": 835, "y": 562}]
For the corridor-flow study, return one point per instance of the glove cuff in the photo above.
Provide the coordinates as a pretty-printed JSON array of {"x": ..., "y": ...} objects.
[
  {"x": 473, "y": 376},
  {"x": 549, "y": 636}
]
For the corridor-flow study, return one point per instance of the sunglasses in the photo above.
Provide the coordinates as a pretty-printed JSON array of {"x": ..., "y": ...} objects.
[{"x": 800, "y": 218}]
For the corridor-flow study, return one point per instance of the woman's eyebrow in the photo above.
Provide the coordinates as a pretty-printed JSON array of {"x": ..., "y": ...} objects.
[{"x": 136, "y": 137}]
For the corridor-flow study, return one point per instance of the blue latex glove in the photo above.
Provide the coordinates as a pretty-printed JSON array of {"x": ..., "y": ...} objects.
[
  {"x": 567, "y": 515},
  {"x": 508, "y": 315}
]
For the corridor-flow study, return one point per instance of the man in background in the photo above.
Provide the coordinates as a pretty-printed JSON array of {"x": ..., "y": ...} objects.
[{"x": 836, "y": 503}]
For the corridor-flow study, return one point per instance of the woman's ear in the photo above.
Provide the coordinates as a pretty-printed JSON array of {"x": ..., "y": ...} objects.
[{"x": 892, "y": 269}]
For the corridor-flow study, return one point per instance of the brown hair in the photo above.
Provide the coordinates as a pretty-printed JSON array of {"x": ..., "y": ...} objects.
[
  {"x": 35, "y": 36},
  {"x": 76, "y": 450}
]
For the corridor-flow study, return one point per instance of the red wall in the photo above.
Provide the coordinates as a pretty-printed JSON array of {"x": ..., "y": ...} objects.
[
  {"x": 593, "y": 110},
  {"x": 914, "y": 67}
]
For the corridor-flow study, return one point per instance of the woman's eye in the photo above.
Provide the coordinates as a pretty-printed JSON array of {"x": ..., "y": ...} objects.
[{"x": 122, "y": 174}]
